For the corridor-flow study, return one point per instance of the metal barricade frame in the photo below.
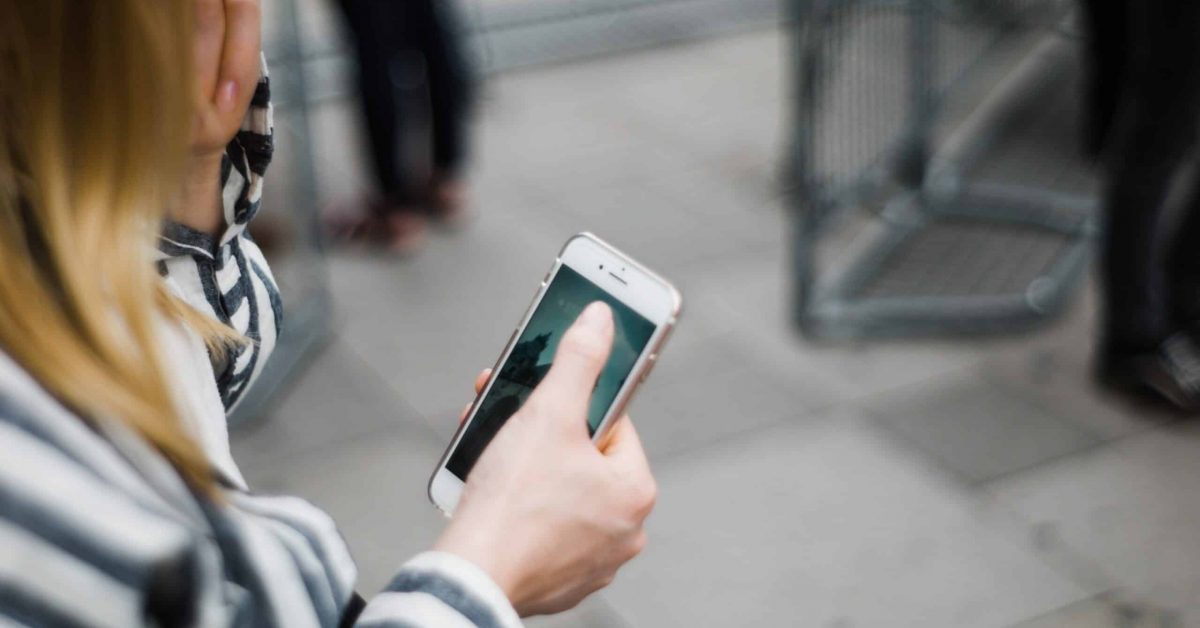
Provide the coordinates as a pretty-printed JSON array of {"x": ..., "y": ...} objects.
[{"x": 919, "y": 195}]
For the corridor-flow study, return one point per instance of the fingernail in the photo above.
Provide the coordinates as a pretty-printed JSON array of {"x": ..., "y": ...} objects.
[
  {"x": 596, "y": 316},
  {"x": 226, "y": 95}
]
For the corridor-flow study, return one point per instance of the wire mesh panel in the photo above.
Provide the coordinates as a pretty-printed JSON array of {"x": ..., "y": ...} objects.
[
  {"x": 927, "y": 196},
  {"x": 858, "y": 100}
]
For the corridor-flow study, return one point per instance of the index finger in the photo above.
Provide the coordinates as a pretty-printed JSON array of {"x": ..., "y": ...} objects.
[{"x": 481, "y": 380}]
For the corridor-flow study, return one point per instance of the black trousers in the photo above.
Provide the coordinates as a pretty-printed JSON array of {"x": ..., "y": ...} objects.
[
  {"x": 410, "y": 52},
  {"x": 1143, "y": 91}
]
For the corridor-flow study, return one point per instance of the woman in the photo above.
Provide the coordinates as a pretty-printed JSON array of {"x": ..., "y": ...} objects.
[{"x": 119, "y": 502}]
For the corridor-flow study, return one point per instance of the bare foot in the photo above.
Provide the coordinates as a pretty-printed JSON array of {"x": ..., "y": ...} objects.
[
  {"x": 396, "y": 228},
  {"x": 447, "y": 200},
  {"x": 406, "y": 232}
]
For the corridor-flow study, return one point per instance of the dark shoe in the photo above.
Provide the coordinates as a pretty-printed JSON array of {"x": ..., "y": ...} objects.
[{"x": 1170, "y": 373}]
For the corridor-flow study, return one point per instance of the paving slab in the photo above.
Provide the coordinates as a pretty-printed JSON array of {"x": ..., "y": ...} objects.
[
  {"x": 826, "y": 524},
  {"x": 706, "y": 392},
  {"x": 750, "y": 295},
  {"x": 1057, "y": 375},
  {"x": 429, "y": 325},
  {"x": 1103, "y": 613},
  {"x": 341, "y": 158},
  {"x": 1054, "y": 367},
  {"x": 650, "y": 223},
  {"x": 337, "y": 398},
  {"x": 976, "y": 430},
  {"x": 1129, "y": 510}
]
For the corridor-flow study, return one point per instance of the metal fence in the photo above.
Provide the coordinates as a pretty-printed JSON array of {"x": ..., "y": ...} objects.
[{"x": 927, "y": 196}]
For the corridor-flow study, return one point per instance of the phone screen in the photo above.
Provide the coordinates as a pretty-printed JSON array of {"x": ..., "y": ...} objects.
[{"x": 568, "y": 293}]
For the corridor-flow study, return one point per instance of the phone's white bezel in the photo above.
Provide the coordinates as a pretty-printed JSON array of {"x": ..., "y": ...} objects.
[{"x": 626, "y": 280}]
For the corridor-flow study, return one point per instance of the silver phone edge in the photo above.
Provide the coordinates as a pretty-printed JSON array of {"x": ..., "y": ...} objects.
[{"x": 624, "y": 397}]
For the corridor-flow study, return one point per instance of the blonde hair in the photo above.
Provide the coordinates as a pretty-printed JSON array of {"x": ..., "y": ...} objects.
[{"x": 95, "y": 113}]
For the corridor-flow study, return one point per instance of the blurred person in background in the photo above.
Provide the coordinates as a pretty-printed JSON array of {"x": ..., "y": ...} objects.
[
  {"x": 1143, "y": 98},
  {"x": 411, "y": 59},
  {"x": 124, "y": 343}
]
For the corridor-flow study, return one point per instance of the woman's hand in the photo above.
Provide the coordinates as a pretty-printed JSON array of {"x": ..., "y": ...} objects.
[
  {"x": 227, "y": 52},
  {"x": 548, "y": 515}
]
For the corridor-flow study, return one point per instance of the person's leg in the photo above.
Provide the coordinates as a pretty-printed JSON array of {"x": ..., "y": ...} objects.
[
  {"x": 384, "y": 42},
  {"x": 1105, "y": 58},
  {"x": 1184, "y": 262},
  {"x": 1154, "y": 133},
  {"x": 1135, "y": 293},
  {"x": 451, "y": 92},
  {"x": 377, "y": 42}
]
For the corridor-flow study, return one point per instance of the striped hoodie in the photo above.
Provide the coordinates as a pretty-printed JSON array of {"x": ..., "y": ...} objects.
[{"x": 97, "y": 528}]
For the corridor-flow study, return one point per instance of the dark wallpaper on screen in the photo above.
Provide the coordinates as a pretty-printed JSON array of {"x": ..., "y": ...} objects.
[{"x": 568, "y": 294}]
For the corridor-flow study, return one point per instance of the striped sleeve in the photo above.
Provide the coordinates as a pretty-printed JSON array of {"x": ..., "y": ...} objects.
[
  {"x": 433, "y": 589},
  {"x": 67, "y": 557},
  {"x": 77, "y": 551},
  {"x": 312, "y": 545},
  {"x": 440, "y": 589}
]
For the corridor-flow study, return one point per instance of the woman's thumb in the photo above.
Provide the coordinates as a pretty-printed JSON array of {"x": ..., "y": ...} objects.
[{"x": 581, "y": 356}]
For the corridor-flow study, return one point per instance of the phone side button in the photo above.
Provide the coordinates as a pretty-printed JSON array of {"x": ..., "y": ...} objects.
[{"x": 651, "y": 360}]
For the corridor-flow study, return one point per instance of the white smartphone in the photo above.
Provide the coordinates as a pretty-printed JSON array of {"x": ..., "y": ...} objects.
[{"x": 645, "y": 308}]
